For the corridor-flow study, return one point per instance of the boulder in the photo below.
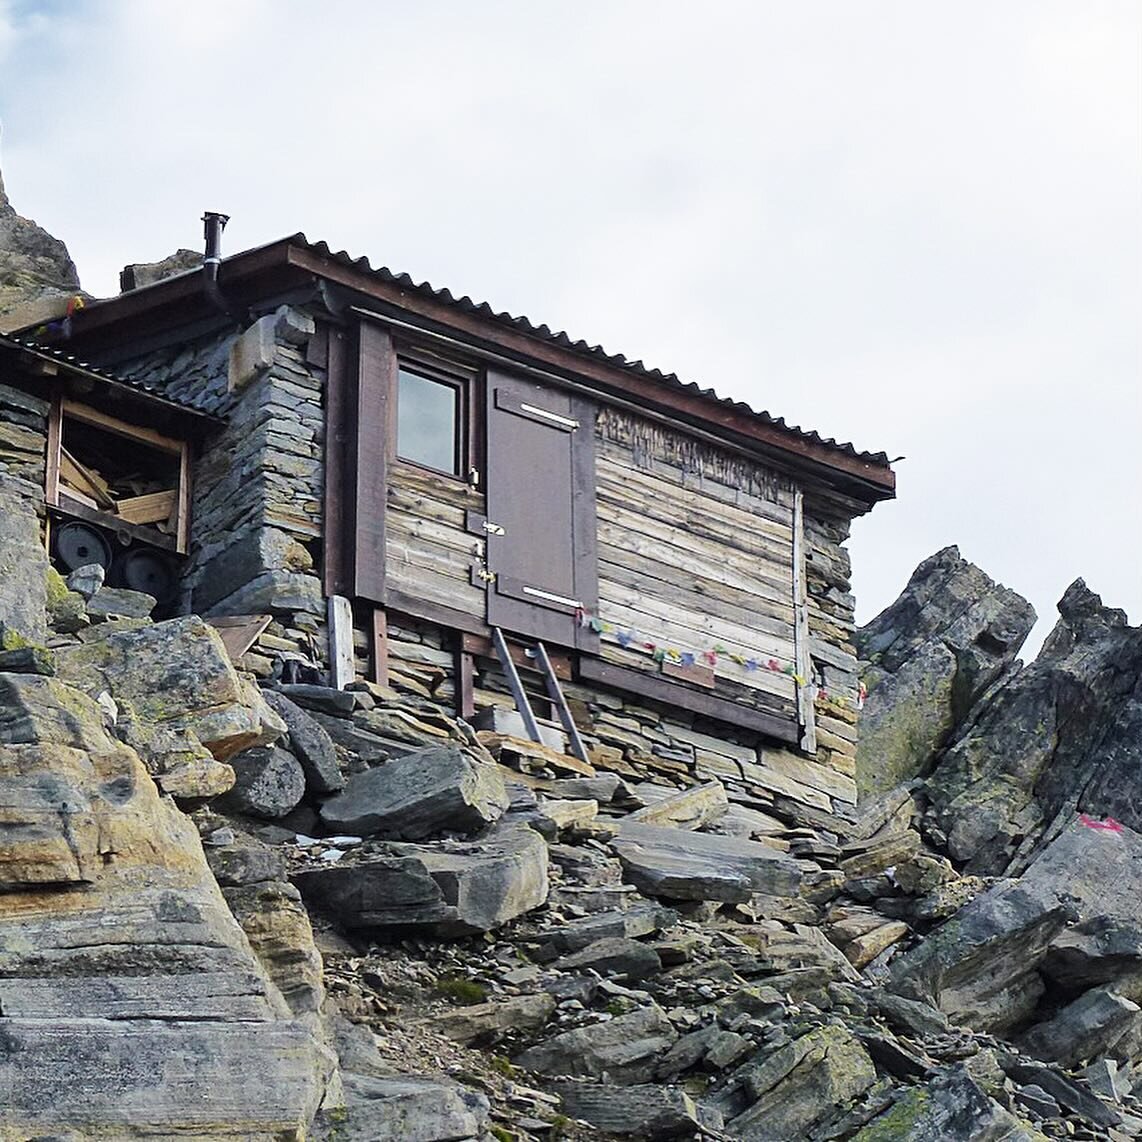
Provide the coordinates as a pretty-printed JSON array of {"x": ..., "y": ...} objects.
[
  {"x": 176, "y": 674},
  {"x": 406, "y": 1108},
  {"x": 681, "y": 865},
  {"x": 950, "y": 1108},
  {"x": 644, "y": 1111},
  {"x": 981, "y": 968},
  {"x": 623, "y": 1049},
  {"x": 928, "y": 657},
  {"x": 428, "y": 792},
  {"x": 615, "y": 955},
  {"x": 486, "y": 1023},
  {"x": 269, "y": 782},
  {"x": 1085, "y": 1029},
  {"x": 691, "y": 809},
  {"x": 800, "y": 1083},
  {"x": 310, "y": 743},
  {"x": 464, "y": 888}
]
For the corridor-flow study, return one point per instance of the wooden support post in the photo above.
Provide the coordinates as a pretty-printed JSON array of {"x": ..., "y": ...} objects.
[
  {"x": 342, "y": 669},
  {"x": 806, "y": 714},
  {"x": 379, "y": 648},
  {"x": 465, "y": 683}
]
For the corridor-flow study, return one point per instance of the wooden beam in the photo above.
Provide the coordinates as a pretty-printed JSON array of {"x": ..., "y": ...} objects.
[
  {"x": 379, "y": 648},
  {"x": 675, "y": 694}
]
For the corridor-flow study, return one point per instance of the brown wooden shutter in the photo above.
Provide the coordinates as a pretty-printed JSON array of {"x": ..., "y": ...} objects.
[{"x": 541, "y": 493}]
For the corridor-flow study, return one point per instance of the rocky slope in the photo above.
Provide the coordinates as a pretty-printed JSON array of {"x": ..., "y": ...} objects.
[{"x": 301, "y": 912}]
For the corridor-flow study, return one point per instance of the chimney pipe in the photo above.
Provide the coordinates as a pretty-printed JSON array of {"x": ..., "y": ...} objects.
[{"x": 213, "y": 225}]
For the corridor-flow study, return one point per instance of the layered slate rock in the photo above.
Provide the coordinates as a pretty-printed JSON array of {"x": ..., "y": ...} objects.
[
  {"x": 130, "y": 996},
  {"x": 455, "y": 889},
  {"x": 23, "y": 561},
  {"x": 1070, "y": 922},
  {"x": 790, "y": 1087},
  {"x": 1063, "y": 734},
  {"x": 951, "y": 1108},
  {"x": 623, "y": 1049},
  {"x": 310, "y": 743},
  {"x": 680, "y": 865},
  {"x": 929, "y": 656},
  {"x": 176, "y": 674},
  {"x": 427, "y": 792}
]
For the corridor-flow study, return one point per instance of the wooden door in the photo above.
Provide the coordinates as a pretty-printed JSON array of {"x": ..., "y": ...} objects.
[{"x": 541, "y": 509}]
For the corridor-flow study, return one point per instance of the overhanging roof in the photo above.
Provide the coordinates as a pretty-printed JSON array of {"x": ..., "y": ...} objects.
[{"x": 292, "y": 262}]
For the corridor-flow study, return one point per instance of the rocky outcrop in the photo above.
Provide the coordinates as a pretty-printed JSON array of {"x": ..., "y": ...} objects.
[
  {"x": 119, "y": 958},
  {"x": 1064, "y": 735},
  {"x": 951, "y": 634},
  {"x": 37, "y": 276}
]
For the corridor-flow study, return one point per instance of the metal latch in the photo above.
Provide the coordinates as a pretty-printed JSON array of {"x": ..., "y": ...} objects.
[{"x": 493, "y": 528}]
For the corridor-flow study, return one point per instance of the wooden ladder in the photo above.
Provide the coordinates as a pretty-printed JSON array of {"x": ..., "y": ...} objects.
[{"x": 554, "y": 692}]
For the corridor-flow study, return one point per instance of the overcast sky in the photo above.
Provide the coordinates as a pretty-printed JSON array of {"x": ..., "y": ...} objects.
[{"x": 912, "y": 225}]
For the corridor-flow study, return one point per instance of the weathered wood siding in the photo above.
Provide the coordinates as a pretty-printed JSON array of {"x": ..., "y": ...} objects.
[
  {"x": 429, "y": 551},
  {"x": 695, "y": 557}
]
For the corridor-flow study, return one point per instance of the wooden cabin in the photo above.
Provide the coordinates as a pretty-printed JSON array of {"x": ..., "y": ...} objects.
[{"x": 397, "y": 474}]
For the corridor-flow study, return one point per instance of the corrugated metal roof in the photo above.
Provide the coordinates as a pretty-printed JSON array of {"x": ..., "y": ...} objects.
[
  {"x": 50, "y": 353},
  {"x": 524, "y": 325}
]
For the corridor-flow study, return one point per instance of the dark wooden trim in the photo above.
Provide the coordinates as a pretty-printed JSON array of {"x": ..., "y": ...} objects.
[
  {"x": 465, "y": 683},
  {"x": 675, "y": 694},
  {"x": 338, "y": 516},
  {"x": 379, "y": 648},
  {"x": 372, "y": 405}
]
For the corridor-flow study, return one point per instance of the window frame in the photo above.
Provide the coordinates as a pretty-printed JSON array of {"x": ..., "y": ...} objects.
[{"x": 467, "y": 385}]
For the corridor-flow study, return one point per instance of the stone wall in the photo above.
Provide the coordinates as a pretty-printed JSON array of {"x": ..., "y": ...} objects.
[{"x": 257, "y": 481}]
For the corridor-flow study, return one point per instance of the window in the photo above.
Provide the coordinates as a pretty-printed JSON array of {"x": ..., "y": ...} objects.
[{"x": 428, "y": 421}]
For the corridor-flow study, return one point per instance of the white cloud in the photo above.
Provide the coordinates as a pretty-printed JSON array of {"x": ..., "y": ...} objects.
[{"x": 910, "y": 224}]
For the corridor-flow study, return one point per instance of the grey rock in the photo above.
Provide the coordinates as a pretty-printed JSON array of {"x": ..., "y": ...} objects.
[
  {"x": 644, "y": 1111},
  {"x": 711, "y": 1046},
  {"x": 118, "y": 601},
  {"x": 309, "y": 743},
  {"x": 641, "y": 920},
  {"x": 465, "y": 888},
  {"x": 948, "y": 637},
  {"x": 404, "y": 1108},
  {"x": 1063, "y": 1091},
  {"x": 623, "y": 1049},
  {"x": 614, "y": 955},
  {"x": 323, "y": 698},
  {"x": 269, "y": 782},
  {"x": 1038, "y": 1101},
  {"x": 950, "y": 1108},
  {"x": 681, "y": 865},
  {"x": 800, "y": 1083},
  {"x": 485, "y": 1023},
  {"x": 86, "y": 580},
  {"x": 981, "y": 967},
  {"x": 911, "y": 1016},
  {"x": 1088, "y": 1027},
  {"x": 177, "y": 674},
  {"x": 429, "y": 792},
  {"x": 247, "y": 861}
]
